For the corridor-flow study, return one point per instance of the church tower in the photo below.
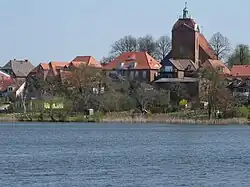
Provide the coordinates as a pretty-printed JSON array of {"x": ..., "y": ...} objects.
[{"x": 185, "y": 38}]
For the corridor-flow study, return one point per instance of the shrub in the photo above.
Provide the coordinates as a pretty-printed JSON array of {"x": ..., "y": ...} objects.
[{"x": 244, "y": 111}]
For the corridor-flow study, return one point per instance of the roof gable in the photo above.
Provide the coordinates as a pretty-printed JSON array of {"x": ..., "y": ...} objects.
[
  {"x": 206, "y": 46},
  {"x": 184, "y": 64},
  {"x": 217, "y": 65},
  {"x": 21, "y": 68},
  {"x": 7, "y": 66},
  {"x": 91, "y": 61},
  {"x": 140, "y": 60},
  {"x": 54, "y": 66}
]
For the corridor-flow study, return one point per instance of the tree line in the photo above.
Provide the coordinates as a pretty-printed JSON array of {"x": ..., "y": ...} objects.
[
  {"x": 84, "y": 88},
  {"x": 88, "y": 88},
  {"x": 159, "y": 48}
]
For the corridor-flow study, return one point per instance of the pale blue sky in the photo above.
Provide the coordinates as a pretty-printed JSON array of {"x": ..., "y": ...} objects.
[{"x": 45, "y": 30}]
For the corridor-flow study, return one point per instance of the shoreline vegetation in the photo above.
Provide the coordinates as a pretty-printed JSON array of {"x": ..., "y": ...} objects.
[
  {"x": 92, "y": 95},
  {"x": 128, "y": 118}
]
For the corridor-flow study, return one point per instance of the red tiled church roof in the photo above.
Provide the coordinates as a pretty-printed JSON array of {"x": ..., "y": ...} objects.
[{"x": 204, "y": 44}]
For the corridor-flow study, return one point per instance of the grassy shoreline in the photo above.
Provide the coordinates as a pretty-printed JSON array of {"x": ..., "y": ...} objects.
[
  {"x": 178, "y": 121},
  {"x": 125, "y": 118}
]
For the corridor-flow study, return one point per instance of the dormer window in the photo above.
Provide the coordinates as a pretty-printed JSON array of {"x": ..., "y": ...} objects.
[
  {"x": 131, "y": 58},
  {"x": 133, "y": 65},
  {"x": 136, "y": 73},
  {"x": 168, "y": 68},
  {"x": 9, "y": 89},
  {"x": 220, "y": 69},
  {"x": 120, "y": 65}
]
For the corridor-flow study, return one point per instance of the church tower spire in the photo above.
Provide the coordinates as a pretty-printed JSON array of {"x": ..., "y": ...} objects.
[{"x": 185, "y": 12}]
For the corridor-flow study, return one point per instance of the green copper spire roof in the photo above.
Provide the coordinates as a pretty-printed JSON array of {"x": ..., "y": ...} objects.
[{"x": 185, "y": 11}]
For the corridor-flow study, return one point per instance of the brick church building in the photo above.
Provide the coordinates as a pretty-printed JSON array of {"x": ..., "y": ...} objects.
[{"x": 190, "y": 51}]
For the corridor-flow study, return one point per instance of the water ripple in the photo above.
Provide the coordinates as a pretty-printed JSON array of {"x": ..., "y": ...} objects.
[{"x": 124, "y": 155}]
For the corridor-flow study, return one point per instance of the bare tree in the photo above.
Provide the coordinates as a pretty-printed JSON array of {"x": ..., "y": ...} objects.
[
  {"x": 125, "y": 44},
  {"x": 213, "y": 91},
  {"x": 147, "y": 96},
  {"x": 220, "y": 44},
  {"x": 147, "y": 44},
  {"x": 157, "y": 49},
  {"x": 81, "y": 84},
  {"x": 163, "y": 47},
  {"x": 106, "y": 60}
]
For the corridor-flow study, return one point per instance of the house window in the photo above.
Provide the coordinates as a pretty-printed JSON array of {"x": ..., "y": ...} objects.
[
  {"x": 10, "y": 89},
  {"x": 95, "y": 91},
  {"x": 220, "y": 69},
  {"x": 248, "y": 82},
  {"x": 132, "y": 65},
  {"x": 136, "y": 73},
  {"x": 235, "y": 82},
  {"x": 102, "y": 90},
  {"x": 131, "y": 74},
  {"x": 169, "y": 76},
  {"x": 245, "y": 90},
  {"x": 168, "y": 69},
  {"x": 144, "y": 74},
  {"x": 120, "y": 65}
]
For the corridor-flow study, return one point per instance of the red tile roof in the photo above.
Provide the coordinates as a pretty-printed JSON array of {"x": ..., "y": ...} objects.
[
  {"x": 216, "y": 64},
  {"x": 45, "y": 66},
  {"x": 4, "y": 75},
  {"x": 54, "y": 66},
  {"x": 240, "y": 71},
  {"x": 206, "y": 47},
  {"x": 5, "y": 83},
  {"x": 143, "y": 61},
  {"x": 91, "y": 61}
]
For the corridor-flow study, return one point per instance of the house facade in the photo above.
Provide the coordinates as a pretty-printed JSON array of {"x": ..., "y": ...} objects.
[
  {"x": 56, "y": 70},
  {"x": 138, "y": 66},
  {"x": 18, "y": 68},
  {"x": 178, "y": 68},
  {"x": 239, "y": 82}
]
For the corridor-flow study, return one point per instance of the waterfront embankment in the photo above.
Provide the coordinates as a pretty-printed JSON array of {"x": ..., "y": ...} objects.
[
  {"x": 126, "y": 118},
  {"x": 165, "y": 118}
]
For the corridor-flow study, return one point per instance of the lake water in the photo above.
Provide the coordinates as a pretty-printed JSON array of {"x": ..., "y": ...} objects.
[{"x": 91, "y": 155}]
